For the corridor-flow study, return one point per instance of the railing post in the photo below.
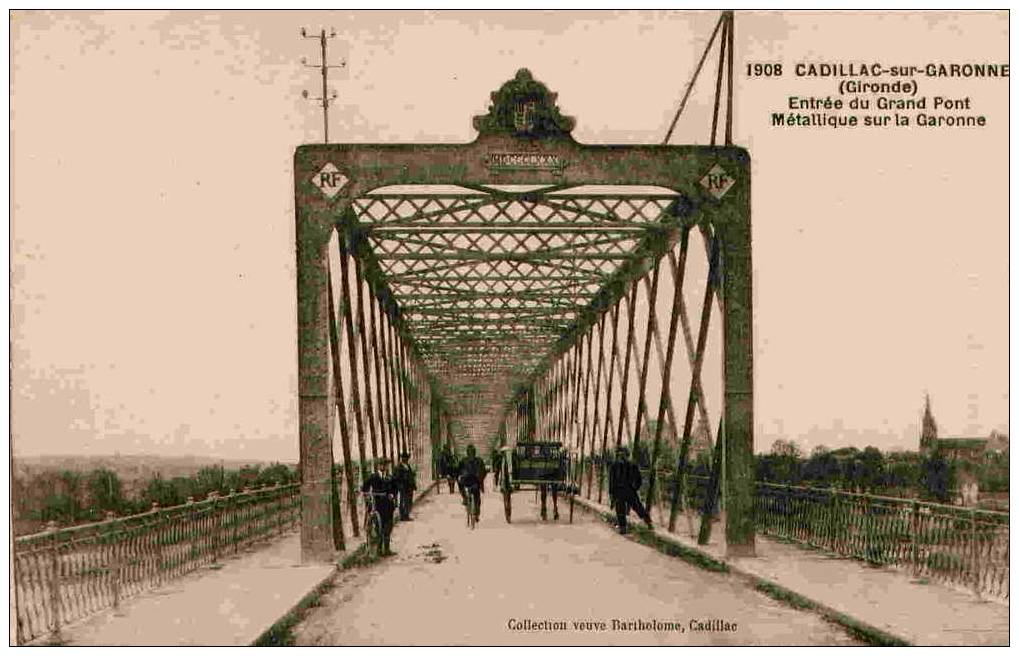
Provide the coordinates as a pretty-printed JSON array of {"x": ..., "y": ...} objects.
[
  {"x": 115, "y": 564},
  {"x": 216, "y": 525},
  {"x": 234, "y": 506},
  {"x": 841, "y": 531},
  {"x": 158, "y": 537},
  {"x": 914, "y": 536},
  {"x": 54, "y": 591},
  {"x": 279, "y": 508},
  {"x": 975, "y": 552},
  {"x": 787, "y": 512},
  {"x": 190, "y": 531}
]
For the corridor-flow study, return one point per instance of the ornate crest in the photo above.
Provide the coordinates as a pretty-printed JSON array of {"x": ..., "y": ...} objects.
[{"x": 524, "y": 107}]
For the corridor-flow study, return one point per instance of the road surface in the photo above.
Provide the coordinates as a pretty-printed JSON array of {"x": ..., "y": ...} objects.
[{"x": 535, "y": 583}]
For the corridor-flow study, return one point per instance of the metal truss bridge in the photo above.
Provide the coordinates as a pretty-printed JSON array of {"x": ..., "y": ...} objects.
[{"x": 514, "y": 288}]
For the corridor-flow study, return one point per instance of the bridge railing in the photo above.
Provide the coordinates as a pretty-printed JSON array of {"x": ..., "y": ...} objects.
[
  {"x": 65, "y": 574},
  {"x": 956, "y": 545}
]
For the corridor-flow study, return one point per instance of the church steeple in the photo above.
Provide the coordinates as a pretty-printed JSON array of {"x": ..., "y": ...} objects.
[{"x": 929, "y": 429}]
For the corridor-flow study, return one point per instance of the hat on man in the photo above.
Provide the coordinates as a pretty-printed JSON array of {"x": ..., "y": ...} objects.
[{"x": 404, "y": 456}]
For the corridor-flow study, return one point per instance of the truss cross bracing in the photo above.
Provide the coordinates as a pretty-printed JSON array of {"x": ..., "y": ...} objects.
[{"x": 488, "y": 277}]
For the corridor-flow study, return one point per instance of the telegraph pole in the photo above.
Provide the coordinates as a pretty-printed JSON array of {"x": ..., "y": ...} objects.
[{"x": 327, "y": 96}]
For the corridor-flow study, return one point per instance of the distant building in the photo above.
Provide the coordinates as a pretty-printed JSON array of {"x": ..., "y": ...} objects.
[
  {"x": 957, "y": 448},
  {"x": 969, "y": 489}
]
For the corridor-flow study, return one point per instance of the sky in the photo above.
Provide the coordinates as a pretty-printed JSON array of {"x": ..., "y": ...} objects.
[{"x": 152, "y": 228}]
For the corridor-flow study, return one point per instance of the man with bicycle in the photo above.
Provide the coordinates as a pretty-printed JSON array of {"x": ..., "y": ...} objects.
[
  {"x": 382, "y": 491},
  {"x": 471, "y": 476}
]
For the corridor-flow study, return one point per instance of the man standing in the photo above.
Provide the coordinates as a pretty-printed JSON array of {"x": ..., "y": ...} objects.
[
  {"x": 448, "y": 465},
  {"x": 496, "y": 467},
  {"x": 624, "y": 482},
  {"x": 406, "y": 484},
  {"x": 383, "y": 492}
]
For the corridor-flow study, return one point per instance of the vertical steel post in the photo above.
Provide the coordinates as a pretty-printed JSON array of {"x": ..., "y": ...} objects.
[
  {"x": 738, "y": 374},
  {"x": 586, "y": 397},
  {"x": 355, "y": 389},
  {"x": 389, "y": 362},
  {"x": 665, "y": 400},
  {"x": 642, "y": 391},
  {"x": 377, "y": 358},
  {"x": 625, "y": 379},
  {"x": 530, "y": 425},
  {"x": 702, "y": 339},
  {"x": 578, "y": 433},
  {"x": 341, "y": 411},
  {"x": 315, "y": 403},
  {"x": 595, "y": 421},
  {"x": 402, "y": 384},
  {"x": 362, "y": 335},
  {"x": 608, "y": 398}
]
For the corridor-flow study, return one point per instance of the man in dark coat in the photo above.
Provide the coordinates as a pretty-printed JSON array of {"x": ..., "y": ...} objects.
[
  {"x": 380, "y": 483},
  {"x": 448, "y": 467},
  {"x": 471, "y": 477},
  {"x": 496, "y": 467},
  {"x": 624, "y": 482},
  {"x": 406, "y": 484}
]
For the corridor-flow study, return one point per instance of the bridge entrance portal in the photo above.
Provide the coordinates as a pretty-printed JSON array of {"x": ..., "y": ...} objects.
[{"x": 491, "y": 270}]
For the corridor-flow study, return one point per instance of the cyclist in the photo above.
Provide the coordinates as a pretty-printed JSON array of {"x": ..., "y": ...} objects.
[
  {"x": 381, "y": 482},
  {"x": 471, "y": 476}
]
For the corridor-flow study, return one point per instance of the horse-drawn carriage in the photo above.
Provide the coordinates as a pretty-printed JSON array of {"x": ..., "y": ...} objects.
[{"x": 542, "y": 466}]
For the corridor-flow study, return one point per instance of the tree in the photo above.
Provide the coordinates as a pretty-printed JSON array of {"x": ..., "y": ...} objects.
[
  {"x": 105, "y": 492},
  {"x": 904, "y": 471},
  {"x": 62, "y": 502},
  {"x": 209, "y": 479},
  {"x": 276, "y": 473},
  {"x": 161, "y": 491},
  {"x": 785, "y": 447},
  {"x": 938, "y": 477},
  {"x": 248, "y": 475},
  {"x": 822, "y": 468},
  {"x": 870, "y": 469}
]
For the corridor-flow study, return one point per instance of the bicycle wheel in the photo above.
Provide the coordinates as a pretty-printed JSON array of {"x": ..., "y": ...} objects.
[{"x": 373, "y": 535}]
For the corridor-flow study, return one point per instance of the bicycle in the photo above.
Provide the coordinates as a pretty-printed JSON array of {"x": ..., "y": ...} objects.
[
  {"x": 472, "y": 507},
  {"x": 372, "y": 525}
]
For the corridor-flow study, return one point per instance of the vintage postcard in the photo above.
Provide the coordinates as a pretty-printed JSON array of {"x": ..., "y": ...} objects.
[{"x": 509, "y": 328}]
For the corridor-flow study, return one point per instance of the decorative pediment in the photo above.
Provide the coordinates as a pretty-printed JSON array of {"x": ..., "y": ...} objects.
[{"x": 525, "y": 108}]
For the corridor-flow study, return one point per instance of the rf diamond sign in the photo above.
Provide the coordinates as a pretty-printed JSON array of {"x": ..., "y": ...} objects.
[
  {"x": 717, "y": 181},
  {"x": 329, "y": 180}
]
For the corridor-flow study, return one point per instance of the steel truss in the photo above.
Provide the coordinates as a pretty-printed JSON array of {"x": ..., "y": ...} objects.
[{"x": 521, "y": 286}]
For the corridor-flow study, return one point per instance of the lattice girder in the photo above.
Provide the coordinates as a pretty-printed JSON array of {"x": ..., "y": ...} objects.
[{"x": 460, "y": 256}]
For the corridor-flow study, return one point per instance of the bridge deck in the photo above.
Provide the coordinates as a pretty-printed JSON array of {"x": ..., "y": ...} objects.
[
  {"x": 540, "y": 571},
  {"x": 537, "y": 571}
]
